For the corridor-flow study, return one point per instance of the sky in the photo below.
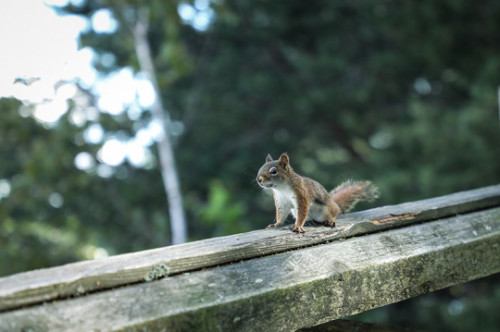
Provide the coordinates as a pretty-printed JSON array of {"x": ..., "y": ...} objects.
[
  {"x": 41, "y": 48},
  {"x": 38, "y": 43}
]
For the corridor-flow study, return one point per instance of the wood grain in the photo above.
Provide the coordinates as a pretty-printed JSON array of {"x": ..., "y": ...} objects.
[
  {"x": 77, "y": 279},
  {"x": 292, "y": 290}
]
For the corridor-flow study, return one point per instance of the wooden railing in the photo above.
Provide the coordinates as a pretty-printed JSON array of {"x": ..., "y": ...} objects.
[{"x": 268, "y": 280}]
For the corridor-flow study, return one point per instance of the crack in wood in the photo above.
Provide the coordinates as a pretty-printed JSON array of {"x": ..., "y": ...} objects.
[{"x": 391, "y": 218}]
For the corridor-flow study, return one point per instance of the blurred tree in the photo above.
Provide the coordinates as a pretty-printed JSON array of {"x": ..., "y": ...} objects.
[
  {"x": 221, "y": 214},
  {"x": 51, "y": 212},
  {"x": 139, "y": 31}
]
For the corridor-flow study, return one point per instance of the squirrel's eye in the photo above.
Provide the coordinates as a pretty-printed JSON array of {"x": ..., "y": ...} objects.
[{"x": 273, "y": 171}]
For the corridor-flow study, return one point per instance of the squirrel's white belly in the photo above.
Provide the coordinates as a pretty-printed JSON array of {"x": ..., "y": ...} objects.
[
  {"x": 317, "y": 212},
  {"x": 287, "y": 201}
]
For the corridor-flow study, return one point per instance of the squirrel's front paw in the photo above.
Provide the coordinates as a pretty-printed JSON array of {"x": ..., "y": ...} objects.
[
  {"x": 274, "y": 225},
  {"x": 297, "y": 229}
]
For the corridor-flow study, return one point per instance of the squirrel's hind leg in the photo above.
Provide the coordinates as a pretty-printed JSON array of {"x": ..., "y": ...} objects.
[
  {"x": 330, "y": 222},
  {"x": 333, "y": 211}
]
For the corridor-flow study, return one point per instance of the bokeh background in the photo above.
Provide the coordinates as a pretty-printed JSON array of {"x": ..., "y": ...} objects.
[{"x": 403, "y": 93}]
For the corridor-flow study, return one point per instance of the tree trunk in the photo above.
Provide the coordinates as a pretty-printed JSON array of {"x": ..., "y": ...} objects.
[{"x": 165, "y": 150}]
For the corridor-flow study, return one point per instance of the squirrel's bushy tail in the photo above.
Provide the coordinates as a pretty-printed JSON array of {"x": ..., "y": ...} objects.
[{"x": 351, "y": 192}]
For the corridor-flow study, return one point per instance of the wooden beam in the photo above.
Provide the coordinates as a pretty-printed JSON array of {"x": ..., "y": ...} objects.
[
  {"x": 292, "y": 290},
  {"x": 89, "y": 276}
]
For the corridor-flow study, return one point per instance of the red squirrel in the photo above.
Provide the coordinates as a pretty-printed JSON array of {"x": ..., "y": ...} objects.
[{"x": 305, "y": 198}]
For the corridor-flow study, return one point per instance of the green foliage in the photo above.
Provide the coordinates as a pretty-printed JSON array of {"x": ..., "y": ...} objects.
[
  {"x": 221, "y": 214},
  {"x": 55, "y": 213},
  {"x": 30, "y": 168}
]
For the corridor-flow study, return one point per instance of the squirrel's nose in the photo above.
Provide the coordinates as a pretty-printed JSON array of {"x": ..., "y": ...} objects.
[{"x": 259, "y": 179}]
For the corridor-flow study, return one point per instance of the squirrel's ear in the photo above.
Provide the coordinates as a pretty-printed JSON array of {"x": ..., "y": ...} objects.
[
  {"x": 269, "y": 158},
  {"x": 284, "y": 160}
]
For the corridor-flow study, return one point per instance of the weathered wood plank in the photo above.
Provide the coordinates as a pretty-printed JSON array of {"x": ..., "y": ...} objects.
[
  {"x": 291, "y": 290},
  {"x": 78, "y": 278}
]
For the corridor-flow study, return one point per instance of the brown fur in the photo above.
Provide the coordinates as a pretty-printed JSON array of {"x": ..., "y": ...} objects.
[
  {"x": 306, "y": 198},
  {"x": 351, "y": 192}
]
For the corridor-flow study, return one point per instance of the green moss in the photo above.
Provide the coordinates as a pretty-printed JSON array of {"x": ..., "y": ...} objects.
[{"x": 158, "y": 271}]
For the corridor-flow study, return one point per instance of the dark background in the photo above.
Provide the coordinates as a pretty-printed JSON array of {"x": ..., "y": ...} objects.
[{"x": 403, "y": 93}]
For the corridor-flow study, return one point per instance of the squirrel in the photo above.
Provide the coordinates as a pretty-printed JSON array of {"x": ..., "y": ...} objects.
[{"x": 306, "y": 198}]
